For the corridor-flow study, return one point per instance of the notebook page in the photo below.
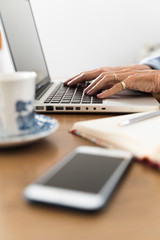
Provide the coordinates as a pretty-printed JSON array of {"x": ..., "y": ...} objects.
[{"x": 140, "y": 138}]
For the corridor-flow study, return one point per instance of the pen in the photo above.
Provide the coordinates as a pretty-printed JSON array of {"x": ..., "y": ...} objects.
[{"x": 137, "y": 119}]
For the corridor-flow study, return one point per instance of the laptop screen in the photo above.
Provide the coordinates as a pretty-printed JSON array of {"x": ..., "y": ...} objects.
[{"x": 23, "y": 39}]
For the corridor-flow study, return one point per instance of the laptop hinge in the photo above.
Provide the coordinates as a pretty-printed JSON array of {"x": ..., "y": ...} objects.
[{"x": 41, "y": 91}]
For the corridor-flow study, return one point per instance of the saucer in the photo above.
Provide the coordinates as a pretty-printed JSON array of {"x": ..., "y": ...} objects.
[{"x": 42, "y": 127}]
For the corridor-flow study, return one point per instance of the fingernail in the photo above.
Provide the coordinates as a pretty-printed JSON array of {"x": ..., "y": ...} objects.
[
  {"x": 69, "y": 83},
  {"x": 86, "y": 91},
  {"x": 100, "y": 95},
  {"x": 89, "y": 91}
]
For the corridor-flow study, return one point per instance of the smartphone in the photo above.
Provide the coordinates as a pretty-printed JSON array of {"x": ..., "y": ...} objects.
[{"x": 84, "y": 180}]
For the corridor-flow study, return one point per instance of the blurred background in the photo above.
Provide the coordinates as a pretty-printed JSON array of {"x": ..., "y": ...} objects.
[{"x": 86, "y": 34}]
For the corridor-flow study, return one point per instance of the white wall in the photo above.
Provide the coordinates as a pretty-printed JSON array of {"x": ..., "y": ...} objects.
[
  {"x": 6, "y": 64},
  {"x": 78, "y": 35}
]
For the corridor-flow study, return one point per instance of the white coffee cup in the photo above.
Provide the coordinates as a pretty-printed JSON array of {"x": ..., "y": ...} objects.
[{"x": 17, "y": 91}]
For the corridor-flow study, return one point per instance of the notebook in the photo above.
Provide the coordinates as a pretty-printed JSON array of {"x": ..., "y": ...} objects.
[
  {"x": 142, "y": 138},
  {"x": 27, "y": 55}
]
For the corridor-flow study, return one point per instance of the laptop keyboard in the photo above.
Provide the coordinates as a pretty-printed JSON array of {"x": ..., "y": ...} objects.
[{"x": 74, "y": 95}]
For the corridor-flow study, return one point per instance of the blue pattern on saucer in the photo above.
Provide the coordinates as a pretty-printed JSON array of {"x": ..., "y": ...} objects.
[
  {"x": 42, "y": 127},
  {"x": 41, "y": 124},
  {"x": 25, "y": 116}
]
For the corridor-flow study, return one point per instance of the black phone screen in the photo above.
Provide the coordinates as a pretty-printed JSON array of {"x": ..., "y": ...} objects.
[{"x": 85, "y": 172}]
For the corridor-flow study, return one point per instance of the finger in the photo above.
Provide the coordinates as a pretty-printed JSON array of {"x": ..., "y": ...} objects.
[
  {"x": 95, "y": 82},
  {"x": 102, "y": 82},
  {"x": 115, "y": 89},
  {"x": 79, "y": 76},
  {"x": 110, "y": 70},
  {"x": 103, "y": 75},
  {"x": 145, "y": 82},
  {"x": 98, "y": 86},
  {"x": 106, "y": 81},
  {"x": 70, "y": 79},
  {"x": 84, "y": 76},
  {"x": 134, "y": 82},
  {"x": 91, "y": 75}
]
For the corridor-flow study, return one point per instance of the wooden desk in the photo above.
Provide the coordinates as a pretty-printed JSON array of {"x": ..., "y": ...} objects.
[{"x": 132, "y": 214}]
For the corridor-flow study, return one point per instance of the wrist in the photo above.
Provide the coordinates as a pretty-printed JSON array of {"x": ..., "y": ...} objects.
[
  {"x": 140, "y": 67},
  {"x": 147, "y": 67}
]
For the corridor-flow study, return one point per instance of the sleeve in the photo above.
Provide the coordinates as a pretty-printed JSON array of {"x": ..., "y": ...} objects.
[{"x": 153, "y": 62}]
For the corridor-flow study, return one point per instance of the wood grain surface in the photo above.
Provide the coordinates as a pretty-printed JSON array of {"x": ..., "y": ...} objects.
[{"x": 133, "y": 212}]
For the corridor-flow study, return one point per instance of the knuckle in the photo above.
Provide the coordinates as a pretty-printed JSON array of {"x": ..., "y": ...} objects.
[
  {"x": 102, "y": 69},
  {"x": 97, "y": 85},
  {"x": 131, "y": 77},
  {"x": 117, "y": 86},
  {"x": 102, "y": 74},
  {"x": 123, "y": 70},
  {"x": 82, "y": 74}
]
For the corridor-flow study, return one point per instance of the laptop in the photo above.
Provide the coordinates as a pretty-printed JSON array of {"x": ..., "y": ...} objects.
[{"x": 52, "y": 96}]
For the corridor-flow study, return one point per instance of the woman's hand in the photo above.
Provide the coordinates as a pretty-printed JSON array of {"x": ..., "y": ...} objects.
[{"x": 136, "y": 77}]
